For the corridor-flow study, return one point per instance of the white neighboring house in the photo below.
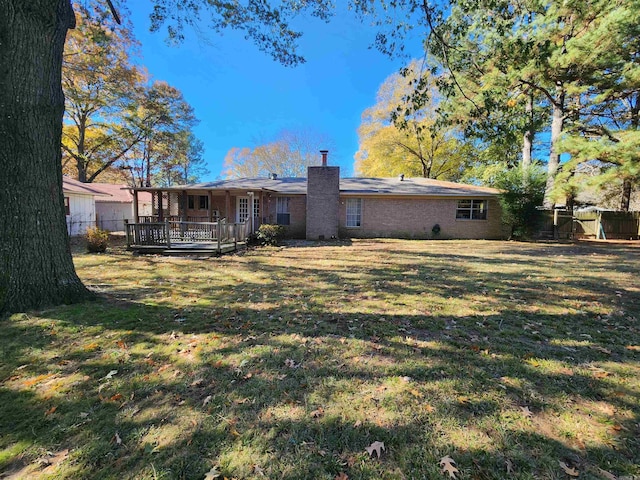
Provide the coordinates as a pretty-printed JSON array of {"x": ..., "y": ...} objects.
[
  {"x": 116, "y": 206},
  {"x": 80, "y": 205}
]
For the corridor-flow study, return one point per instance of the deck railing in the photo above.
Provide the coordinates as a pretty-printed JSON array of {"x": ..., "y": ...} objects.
[{"x": 164, "y": 234}]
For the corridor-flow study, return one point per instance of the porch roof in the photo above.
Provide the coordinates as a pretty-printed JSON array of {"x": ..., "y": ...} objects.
[{"x": 348, "y": 186}]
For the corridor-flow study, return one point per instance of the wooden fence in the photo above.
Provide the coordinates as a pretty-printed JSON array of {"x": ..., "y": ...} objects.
[{"x": 590, "y": 224}]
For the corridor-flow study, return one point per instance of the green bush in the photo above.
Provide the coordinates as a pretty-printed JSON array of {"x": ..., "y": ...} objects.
[
  {"x": 522, "y": 194},
  {"x": 97, "y": 240},
  {"x": 270, "y": 234}
]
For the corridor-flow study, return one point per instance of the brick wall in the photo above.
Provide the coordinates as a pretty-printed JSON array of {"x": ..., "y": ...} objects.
[
  {"x": 298, "y": 215},
  {"x": 415, "y": 218},
  {"x": 323, "y": 194}
]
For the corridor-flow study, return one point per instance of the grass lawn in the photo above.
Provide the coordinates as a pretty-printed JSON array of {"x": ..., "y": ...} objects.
[{"x": 287, "y": 363}]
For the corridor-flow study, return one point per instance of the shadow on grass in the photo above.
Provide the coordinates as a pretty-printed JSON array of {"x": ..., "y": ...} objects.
[{"x": 291, "y": 369}]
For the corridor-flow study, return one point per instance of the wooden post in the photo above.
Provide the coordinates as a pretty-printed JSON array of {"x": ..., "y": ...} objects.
[
  {"x": 136, "y": 218},
  {"x": 598, "y": 224},
  {"x": 167, "y": 230},
  {"x": 184, "y": 204},
  {"x": 227, "y": 206},
  {"x": 556, "y": 234},
  {"x": 160, "y": 209},
  {"x": 126, "y": 231},
  {"x": 218, "y": 234},
  {"x": 211, "y": 206}
]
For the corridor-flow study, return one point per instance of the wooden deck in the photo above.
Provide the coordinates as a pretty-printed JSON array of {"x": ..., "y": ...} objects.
[
  {"x": 182, "y": 238},
  {"x": 178, "y": 249}
]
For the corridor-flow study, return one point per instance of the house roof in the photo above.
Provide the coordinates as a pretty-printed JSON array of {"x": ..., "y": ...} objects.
[
  {"x": 69, "y": 185},
  {"x": 119, "y": 193},
  {"x": 348, "y": 186}
]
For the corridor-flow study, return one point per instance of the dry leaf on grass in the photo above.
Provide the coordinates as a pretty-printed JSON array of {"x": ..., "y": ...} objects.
[
  {"x": 605, "y": 474},
  {"x": 448, "y": 465},
  {"x": 53, "y": 460},
  {"x": 212, "y": 474},
  {"x": 526, "y": 412},
  {"x": 317, "y": 413},
  {"x": 117, "y": 439},
  {"x": 569, "y": 471},
  {"x": 375, "y": 447},
  {"x": 206, "y": 401},
  {"x": 509, "y": 466},
  {"x": 341, "y": 476}
]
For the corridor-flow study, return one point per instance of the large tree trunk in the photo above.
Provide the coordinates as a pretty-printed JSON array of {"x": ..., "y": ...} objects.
[
  {"x": 557, "y": 124},
  {"x": 36, "y": 267}
]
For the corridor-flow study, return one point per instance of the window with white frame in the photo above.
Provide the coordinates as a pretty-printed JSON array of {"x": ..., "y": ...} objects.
[
  {"x": 471, "y": 209},
  {"x": 354, "y": 212},
  {"x": 283, "y": 215}
]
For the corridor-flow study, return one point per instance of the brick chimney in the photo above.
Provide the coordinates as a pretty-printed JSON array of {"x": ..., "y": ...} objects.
[{"x": 323, "y": 200}]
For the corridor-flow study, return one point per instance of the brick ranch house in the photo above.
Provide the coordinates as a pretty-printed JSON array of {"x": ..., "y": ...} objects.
[{"x": 324, "y": 206}]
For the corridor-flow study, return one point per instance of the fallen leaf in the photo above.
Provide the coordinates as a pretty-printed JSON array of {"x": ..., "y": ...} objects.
[
  {"x": 428, "y": 408},
  {"x": 569, "y": 471},
  {"x": 602, "y": 349},
  {"x": 54, "y": 460},
  {"x": 110, "y": 374},
  {"x": 291, "y": 364},
  {"x": 207, "y": 400},
  {"x": 341, "y": 476},
  {"x": 509, "y": 466},
  {"x": 50, "y": 411},
  {"x": 116, "y": 397},
  {"x": 357, "y": 424},
  {"x": 212, "y": 474},
  {"x": 526, "y": 412},
  {"x": 375, "y": 447},
  {"x": 317, "y": 413},
  {"x": 605, "y": 474},
  {"x": 416, "y": 393},
  {"x": 117, "y": 439},
  {"x": 448, "y": 465}
]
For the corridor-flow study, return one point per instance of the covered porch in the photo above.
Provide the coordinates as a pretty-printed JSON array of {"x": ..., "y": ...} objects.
[{"x": 190, "y": 220}]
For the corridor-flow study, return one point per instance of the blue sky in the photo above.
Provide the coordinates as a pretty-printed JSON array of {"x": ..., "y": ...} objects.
[{"x": 244, "y": 98}]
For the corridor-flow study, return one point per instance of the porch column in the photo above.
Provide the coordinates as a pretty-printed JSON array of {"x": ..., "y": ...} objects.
[
  {"x": 136, "y": 219},
  {"x": 227, "y": 207},
  {"x": 184, "y": 204},
  {"x": 210, "y": 206},
  {"x": 160, "y": 207}
]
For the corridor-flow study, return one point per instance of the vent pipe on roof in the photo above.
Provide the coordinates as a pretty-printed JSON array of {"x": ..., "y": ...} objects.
[
  {"x": 324, "y": 154},
  {"x": 273, "y": 176},
  {"x": 401, "y": 177}
]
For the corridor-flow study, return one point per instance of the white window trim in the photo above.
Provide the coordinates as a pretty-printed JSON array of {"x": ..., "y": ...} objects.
[
  {"x": 280, "y": 201},
  {"x": 358, "y": 215}
]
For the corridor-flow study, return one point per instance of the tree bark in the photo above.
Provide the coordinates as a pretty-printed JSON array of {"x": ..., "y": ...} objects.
[
  {"x": 527, "y": 141},
  {"x": 557, "y": 124},
  {"x": 625, "y": 201},
  {"x": 36, "y": 267}
]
